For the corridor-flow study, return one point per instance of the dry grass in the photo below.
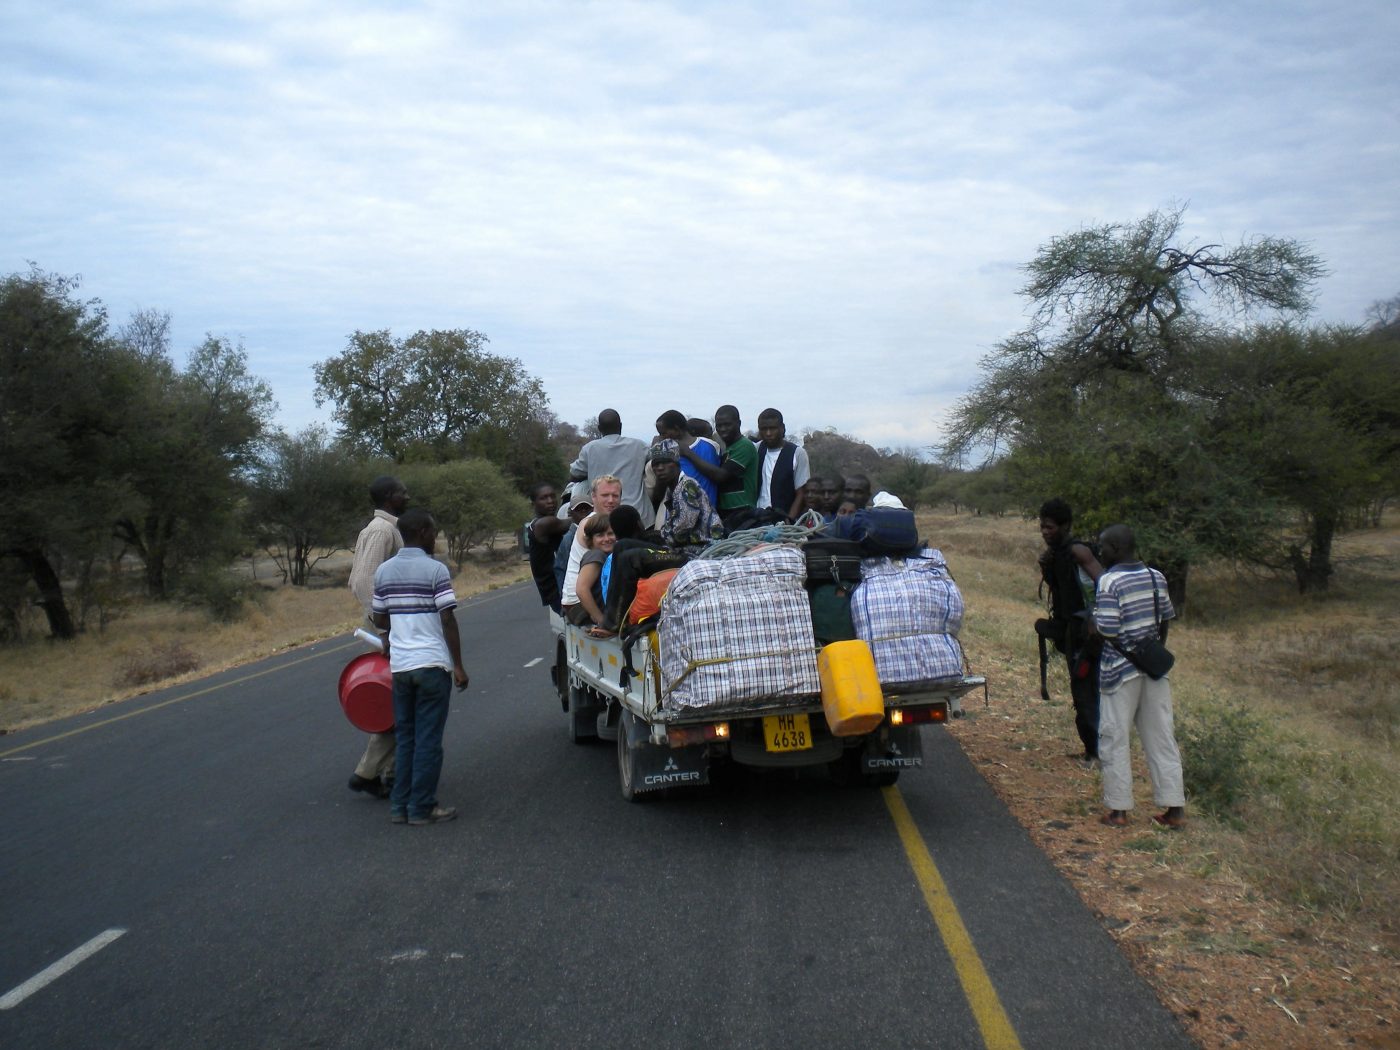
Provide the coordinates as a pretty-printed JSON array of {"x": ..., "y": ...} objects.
[
  {"x": 156, "y": 645},
  {"x": 1287, "y": 712}
]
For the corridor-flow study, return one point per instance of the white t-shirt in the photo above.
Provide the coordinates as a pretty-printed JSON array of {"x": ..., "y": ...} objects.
[
  {"x": 801, "y": 473},
  {"x": 576, "y": 553}
]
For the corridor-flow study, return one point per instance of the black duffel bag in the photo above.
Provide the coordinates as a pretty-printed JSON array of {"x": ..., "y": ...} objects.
[
  {"x": 832, "y": 561},
  {"x": 633, "y": 560}
]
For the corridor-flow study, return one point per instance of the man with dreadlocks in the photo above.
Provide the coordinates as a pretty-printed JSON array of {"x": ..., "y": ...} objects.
[{"x": 1070, "y": 569}]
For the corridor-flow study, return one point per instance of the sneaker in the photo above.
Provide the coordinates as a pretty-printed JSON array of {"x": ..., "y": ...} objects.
[
  {"x": 369, "y": 785},
  {"x": 439, "y": 815},
  {"x": 398, "y": 818}
]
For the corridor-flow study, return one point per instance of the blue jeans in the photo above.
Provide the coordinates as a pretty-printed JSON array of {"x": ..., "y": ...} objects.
[{"x": 420, "y": 714}]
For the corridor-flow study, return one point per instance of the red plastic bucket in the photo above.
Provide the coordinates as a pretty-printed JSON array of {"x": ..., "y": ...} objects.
[{"x": 367, "y": 693}]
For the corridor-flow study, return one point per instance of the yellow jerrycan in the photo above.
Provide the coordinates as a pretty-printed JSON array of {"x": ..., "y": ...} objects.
[{"x": 851, "y": 694}]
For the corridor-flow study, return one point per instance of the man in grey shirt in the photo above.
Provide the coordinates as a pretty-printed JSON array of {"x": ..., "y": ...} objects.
[{"x": 623, "y": 457}]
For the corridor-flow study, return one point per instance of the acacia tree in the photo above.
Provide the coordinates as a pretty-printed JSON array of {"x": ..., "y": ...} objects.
[
  {"x": 194, "y": 434},
  {"x": 1093, "y": 396},
  {"x": 61, "y": 402},
  {"x": 1311, "y": 418},
  {"x": 436, "y": 395},
  {"x": 472, "y": 501},
  {"x": 305, "y": 500}
]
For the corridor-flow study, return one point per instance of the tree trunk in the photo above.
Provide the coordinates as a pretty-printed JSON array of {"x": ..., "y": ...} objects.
[
  {"x": 50, "y": 593},
  {"x": 1176, "y": 574},
  {"x": 1314, "y": 572}
]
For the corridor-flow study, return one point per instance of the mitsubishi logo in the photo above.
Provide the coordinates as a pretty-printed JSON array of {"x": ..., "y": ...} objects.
[
  {"x": 670, "y": 765},
  {"x": 894, "y": 749}
]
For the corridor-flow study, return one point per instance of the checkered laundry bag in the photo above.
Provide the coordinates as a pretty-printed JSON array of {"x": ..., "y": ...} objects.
[
  {"x": 910, "y": 611},
  {"x": 735, "y": 631}
]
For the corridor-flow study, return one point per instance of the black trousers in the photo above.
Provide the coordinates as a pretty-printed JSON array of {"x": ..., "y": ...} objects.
[{"x": 1085, "y": 692}]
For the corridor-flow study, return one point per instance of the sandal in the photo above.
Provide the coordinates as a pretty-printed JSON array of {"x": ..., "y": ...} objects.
[
  {"x": 1115, "y": 818},
  {"x": 1171, "y": 823}
]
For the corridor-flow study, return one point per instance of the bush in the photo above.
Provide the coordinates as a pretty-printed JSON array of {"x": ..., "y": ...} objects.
[
  {"x": 157, "y": 664},
  {"x": 221, "y": 593},
  {"x": 1216, "y": 743}
]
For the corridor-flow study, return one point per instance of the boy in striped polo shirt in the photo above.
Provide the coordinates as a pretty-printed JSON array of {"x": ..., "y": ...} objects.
[
  {"x": 414, "y": 603},
  {"x": 1132, "y": 605}
]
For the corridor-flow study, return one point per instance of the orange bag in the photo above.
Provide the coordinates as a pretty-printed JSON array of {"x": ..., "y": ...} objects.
[{"x": 650, "y": 591}]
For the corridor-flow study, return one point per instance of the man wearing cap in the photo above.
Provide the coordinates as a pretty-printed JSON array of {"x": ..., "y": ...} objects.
[{"x": 685, "y": 517}]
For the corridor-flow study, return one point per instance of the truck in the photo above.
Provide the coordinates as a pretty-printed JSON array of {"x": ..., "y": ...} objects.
[{"x": 611, "y": 689}]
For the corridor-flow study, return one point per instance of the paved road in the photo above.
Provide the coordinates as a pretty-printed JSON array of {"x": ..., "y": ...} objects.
[{"x": 264, "y": 905}]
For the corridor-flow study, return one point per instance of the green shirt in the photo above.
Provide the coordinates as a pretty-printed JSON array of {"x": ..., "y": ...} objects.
[{"x": 735, "y": 494}]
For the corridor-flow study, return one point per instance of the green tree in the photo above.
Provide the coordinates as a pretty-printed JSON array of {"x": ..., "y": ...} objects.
[
  {"x": 1311, "y": 417},
  {"x": 194, "y": 434},
  {"x": 472, "y": 500},
  {"x": 66, "y": 395},
  {"x": 434, "y": 396},
  {"x": 305, "y": 501},
  {"x": 1093, "y": 399}
]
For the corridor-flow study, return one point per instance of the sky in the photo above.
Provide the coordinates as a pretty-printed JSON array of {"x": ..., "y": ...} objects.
[{"x": 822, "y": 207}]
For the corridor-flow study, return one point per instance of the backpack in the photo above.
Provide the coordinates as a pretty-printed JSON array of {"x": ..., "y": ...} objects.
[{"x": 632, "y": 561}]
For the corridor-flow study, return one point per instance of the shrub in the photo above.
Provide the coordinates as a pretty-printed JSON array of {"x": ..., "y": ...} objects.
[
  {"x": 1216, "y": 744},
  {"x": 223, "y": 594},
  {"x": 157, "y": 664}
]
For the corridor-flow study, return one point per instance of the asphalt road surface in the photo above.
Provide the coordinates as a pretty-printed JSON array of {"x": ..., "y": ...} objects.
[{"x": 188, "y": 869}]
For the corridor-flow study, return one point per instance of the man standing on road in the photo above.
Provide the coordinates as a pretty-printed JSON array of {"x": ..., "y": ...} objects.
[
  {"x": 616, "y": 456},
  {"x": 377, "y": 543},
  {"x": 413, "y": 602},
  {"x": 1132, "y": 606},
  {"x": 1070, "y": 571}
]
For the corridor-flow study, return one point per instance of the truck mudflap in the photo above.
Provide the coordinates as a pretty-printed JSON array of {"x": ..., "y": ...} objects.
[
  {"x": 891, "y": 749},
  {"x": 653, "y": 767}
]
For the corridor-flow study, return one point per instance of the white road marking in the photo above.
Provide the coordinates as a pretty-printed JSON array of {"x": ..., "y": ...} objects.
[
  {"x": 22, "y": 758},
  {"x": 47, "y": 976},
  {"x": 536, "y": 660},
  {"x": 411, "y": 955}
]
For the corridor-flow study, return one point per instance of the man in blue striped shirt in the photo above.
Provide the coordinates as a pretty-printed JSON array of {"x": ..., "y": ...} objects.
[
  {"x": 1132, "y": 605},
  {"x": 413, "y": 601}
]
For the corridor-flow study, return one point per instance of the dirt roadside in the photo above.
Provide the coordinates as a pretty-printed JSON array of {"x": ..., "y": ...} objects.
[{"x": 1236, "y": 968}]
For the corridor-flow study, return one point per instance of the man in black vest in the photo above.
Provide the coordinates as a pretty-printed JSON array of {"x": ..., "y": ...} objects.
[
  {"x": 783, "y": 469},
  {"x": 1070, "y": 571}
]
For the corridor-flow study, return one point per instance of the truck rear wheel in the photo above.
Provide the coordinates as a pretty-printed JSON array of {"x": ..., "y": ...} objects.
[
  {"x": 583, "y": 717},
  {"x": 561, "y": 674},
  {"x": 627, "y": 761}
]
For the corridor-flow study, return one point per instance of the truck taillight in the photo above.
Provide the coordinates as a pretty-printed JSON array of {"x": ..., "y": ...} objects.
[
  {"x": 680, "y": 736},
  {"x": 909, "y": 716}
]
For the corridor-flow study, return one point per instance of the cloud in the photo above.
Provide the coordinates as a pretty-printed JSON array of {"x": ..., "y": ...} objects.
[{"x": 825, "y": 205}]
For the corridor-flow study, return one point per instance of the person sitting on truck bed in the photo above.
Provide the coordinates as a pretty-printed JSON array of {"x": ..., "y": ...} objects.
[
  {"x": 685, "y": 517},
  {"x": 599, "y": 536},
  {"x": 543, "y": 535},
  {"x": 692, "y": 453},
  {"x": 607, "y": 494},
  {"x": 858, "y": 490},
  {"x": 579, "y": 510}
]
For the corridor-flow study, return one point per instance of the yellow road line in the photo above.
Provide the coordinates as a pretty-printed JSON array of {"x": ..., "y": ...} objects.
[
  {"x": 987, "y": 1010},
  {"x": 209, "y": 689}
]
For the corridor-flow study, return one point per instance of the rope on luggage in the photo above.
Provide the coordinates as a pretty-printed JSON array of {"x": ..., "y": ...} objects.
[{"x": 745, "y": 540}]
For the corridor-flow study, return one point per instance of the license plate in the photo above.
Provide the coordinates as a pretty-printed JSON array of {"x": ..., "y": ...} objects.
[{"x": 787, "y": 732}]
